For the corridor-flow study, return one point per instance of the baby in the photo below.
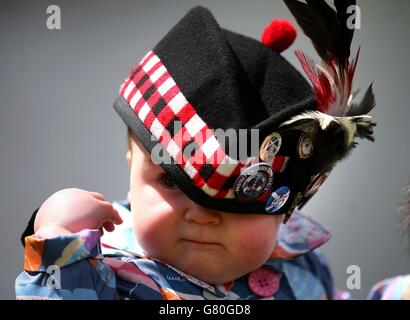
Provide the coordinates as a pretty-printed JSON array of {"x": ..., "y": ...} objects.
[{"x": 201, "y": 222}]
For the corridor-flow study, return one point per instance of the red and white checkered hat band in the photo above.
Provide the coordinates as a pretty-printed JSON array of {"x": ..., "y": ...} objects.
[{"x": 158, "y": 102}]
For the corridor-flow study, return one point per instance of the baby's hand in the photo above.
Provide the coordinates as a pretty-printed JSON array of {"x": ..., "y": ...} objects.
[{"x": 72, "y": 210}]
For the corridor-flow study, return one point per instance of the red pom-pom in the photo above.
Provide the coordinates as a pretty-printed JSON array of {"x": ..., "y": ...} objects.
[{"x": 279, "y": 35}]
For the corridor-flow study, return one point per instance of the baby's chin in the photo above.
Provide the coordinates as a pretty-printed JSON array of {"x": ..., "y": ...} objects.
[
  {"x": 213, "y": 265},
  {"x": 213, "y": 270}
]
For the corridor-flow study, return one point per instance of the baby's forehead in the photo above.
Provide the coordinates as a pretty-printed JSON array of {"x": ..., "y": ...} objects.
[{"x": 146, "y": 159}]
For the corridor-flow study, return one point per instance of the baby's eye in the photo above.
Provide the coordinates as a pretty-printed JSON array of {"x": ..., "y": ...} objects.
[{"x": 168, "y": 181}]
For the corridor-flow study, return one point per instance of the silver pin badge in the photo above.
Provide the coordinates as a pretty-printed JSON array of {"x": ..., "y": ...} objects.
[
  {"x": 253, "y": 181},
  {"x": 305, "y": 146},
  {"x": 270, "y": 147}
]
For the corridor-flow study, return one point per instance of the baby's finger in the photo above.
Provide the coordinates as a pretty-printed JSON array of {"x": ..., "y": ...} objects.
[
  {"x": 97, "y": 195},
  {"x": 111, "y": 214},
  {"x": 101, "y": 229},
  {"x": 117, "y": 218},
  {"x": 109, "y": 226}
]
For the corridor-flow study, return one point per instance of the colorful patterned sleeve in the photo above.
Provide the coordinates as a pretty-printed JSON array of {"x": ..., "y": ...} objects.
[{"x": 65, "y": 267}]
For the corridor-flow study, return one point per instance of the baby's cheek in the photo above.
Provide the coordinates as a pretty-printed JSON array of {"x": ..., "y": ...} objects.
[
  {"x": 256, "y": 246},
  {"x": 144, "y": 227},
  {"x": 151, "y": 230}
]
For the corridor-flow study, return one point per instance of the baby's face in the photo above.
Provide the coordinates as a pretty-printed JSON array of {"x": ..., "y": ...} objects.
[{"x": 210, "y": 245}]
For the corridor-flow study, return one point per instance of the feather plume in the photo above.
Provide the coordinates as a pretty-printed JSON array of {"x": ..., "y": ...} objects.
[
  {"x": 332, "y": 78},
  {"x": 315, "y": 122}
]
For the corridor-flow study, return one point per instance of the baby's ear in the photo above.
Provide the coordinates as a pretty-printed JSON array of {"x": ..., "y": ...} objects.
[{"x": 128, "y": 157}]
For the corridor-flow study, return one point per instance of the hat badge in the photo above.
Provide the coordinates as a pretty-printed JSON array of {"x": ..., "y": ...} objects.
[
  {"x": 253, "y": 182},
  {"x": 270, "y": 147},
  {"x": 305, "y": 146}
]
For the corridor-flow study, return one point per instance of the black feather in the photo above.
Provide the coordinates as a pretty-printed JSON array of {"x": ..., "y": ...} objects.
[
  {"x": 325, "y": 27},
  {"x": 312, "y": 26},
  {"x": 366, "y": 105},
  {"x": 341, "y": 8}
]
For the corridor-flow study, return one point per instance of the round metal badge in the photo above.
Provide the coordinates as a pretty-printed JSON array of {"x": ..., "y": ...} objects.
[
  {"x": 305, "y": 146},
  {"x": 270, "y": 147},
  {"x": 253, "y": 181},
  {"x": 315, "y": 184},
  {"x": 277, "y": 199}
]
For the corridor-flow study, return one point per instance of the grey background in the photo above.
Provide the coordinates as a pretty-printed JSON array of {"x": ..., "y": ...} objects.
[{"x": 58, "y": 128}]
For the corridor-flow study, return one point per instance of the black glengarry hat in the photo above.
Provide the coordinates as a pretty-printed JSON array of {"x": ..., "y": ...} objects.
[{"x": 201, "y": 78}]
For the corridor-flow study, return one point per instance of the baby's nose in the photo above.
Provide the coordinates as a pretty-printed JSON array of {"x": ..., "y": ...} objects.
[{"x": 201, "y": 215}]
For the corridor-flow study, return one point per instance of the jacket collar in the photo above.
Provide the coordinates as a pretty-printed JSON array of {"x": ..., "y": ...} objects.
[{"x": 300, "y": 235}]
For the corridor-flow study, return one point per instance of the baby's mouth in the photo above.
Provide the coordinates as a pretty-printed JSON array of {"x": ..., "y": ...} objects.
[{"x": 200, "y": 242}]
